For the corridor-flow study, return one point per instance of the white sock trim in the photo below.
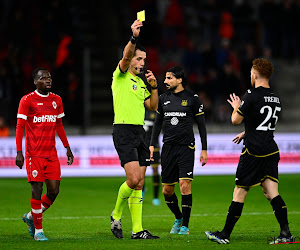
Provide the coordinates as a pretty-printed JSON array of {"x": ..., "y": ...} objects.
[
  {"x": 37, "y": 211},
  {"x": 44, "y": 208},
  {"x": 38, "y": 231},
  {"x": 29, "y": 216}
]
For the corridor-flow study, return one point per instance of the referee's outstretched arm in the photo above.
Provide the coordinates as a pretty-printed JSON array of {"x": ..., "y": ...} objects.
[{"x": 130, "y": 47}]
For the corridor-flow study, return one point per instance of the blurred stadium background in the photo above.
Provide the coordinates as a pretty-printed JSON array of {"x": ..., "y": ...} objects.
[{"x": 81, "y": 44}]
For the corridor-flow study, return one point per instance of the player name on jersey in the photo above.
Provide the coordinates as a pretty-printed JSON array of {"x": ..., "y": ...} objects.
[{"x": 271, "y": 99}]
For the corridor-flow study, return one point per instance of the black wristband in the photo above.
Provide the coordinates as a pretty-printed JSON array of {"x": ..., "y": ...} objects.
[
  {"x": 133, "y": 39},
  {"x": 154, "y": 87}
]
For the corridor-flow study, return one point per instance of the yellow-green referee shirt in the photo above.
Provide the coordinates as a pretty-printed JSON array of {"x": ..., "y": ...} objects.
[{"x": 129, "y": 94}]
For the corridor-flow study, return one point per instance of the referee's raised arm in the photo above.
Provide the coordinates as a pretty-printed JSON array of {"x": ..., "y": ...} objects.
[{"x": 128, "y": 52}]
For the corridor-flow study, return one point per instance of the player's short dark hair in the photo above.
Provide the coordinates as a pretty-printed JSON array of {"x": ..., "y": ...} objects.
[
  {"x": 138, "y": 46},
  {"x": 264, "y": 67},
  {"x": 35, "y": 72},
  {"x": 178, "y": 72}
]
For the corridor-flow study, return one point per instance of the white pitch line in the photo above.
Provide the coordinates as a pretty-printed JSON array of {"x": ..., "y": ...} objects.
[{"x": 145, "y": 216}]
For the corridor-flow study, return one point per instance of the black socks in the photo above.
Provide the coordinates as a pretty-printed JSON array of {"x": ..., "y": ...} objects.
[
  {"x": 234, "y": 213},
  {"x": 186, "y": 204},
  {"x": 172, "y": 203},
  {"x": 280, "y": 211}
]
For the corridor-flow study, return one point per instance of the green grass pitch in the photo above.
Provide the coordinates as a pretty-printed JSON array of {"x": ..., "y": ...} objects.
[{"x": 80, "y": 217}]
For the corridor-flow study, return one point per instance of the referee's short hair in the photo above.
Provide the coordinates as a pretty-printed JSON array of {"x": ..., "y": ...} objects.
[
  {"x": 138, "y": 46},
  {"x": 178, "y": 72}
]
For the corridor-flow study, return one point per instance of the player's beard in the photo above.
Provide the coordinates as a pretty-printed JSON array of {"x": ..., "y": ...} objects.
[{"x": 173, "y": 88}]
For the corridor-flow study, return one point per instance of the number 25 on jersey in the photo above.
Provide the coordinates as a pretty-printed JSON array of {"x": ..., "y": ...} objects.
[{"x": 271, "y": 118}]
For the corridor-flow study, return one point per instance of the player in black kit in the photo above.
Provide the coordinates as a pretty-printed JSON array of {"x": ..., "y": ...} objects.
[
  {"x": 258, "y": 163},
  {"x": 148, "y": 127},
  {"x": 177, "y": 110}
]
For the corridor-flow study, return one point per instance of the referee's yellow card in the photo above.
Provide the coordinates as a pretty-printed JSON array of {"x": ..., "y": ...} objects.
[{"x": 141, "y": 16}]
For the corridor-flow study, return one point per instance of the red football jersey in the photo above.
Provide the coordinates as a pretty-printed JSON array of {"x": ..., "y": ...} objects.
[{"x": 41, "y": 113}]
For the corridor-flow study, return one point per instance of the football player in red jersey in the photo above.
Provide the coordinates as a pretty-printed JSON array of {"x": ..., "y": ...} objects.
[{"x": 40, "y": 114}]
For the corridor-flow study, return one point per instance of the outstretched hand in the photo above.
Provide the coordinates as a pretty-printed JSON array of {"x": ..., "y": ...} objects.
[
  {"x": 234, "y": 101},
  {"x": 239, "y": 138},
  {"x": 136, "y": 28}
]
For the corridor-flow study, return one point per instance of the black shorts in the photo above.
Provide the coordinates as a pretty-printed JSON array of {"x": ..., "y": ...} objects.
[
  {"x": 130, "y": 145},
  {"x": 177, "y": 162},
  {"x": 253, "y": 170}
]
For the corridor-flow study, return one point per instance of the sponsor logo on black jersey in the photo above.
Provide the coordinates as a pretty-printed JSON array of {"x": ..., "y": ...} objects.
[
  {"x": 181, "y": 114},
  {"x": 174, "y": 121}
]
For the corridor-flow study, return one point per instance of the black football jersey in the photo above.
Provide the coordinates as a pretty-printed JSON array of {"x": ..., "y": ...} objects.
[
  {"x": 261, "y": 108},
  {"x": 179, "y": 111}
]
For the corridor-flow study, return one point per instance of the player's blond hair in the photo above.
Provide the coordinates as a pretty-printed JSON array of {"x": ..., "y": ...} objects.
[{"x": 264, "y": 67}]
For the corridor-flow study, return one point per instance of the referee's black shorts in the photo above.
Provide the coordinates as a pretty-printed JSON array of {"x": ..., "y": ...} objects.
[
  {"x": 253, "y": 170},
  {"x": 130, "y": 145},
  {"x": 177, "y": 162}
]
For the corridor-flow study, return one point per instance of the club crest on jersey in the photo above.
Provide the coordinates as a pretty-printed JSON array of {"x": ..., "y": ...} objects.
[
  {"x": 184, "y": 103},
  {"x": 134, "y": 87},
  {"x": 54, "y": 104},
  {"x": 34, "y": 173}
]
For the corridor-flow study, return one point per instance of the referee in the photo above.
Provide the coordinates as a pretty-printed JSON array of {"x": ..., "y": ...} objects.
[
  {"x": 130, "y": 97},
  {"x": 177, "y": 110}
]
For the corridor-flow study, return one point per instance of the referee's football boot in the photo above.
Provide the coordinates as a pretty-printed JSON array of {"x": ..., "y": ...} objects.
[
  {"x": 282, "y": 239},
  {"x": 217, "y": 237},
  {"x": 116, "y": 227},
  {"x": 30, "y": 224},
  {"x": 184, "y": 230},
  {"x": 176, "y": 226},
  {"x": 143, "y": 235}
]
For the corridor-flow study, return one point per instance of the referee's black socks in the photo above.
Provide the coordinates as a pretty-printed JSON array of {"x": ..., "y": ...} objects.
[
  {"x": 186, "y": 204},
  {"x": 172, "y": 203},
  {"x": 234, "y": 213},
  {"x": 280, "y": 211}
]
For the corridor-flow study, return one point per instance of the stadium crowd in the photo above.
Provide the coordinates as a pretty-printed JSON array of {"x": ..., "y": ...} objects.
[
  {"x": 214, "y": 40},
  {"x": 36, "y": 34}
]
